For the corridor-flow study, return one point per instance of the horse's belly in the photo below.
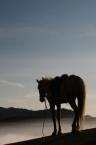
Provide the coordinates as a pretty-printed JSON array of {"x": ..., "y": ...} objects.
[{"x": 63, "y": 99}]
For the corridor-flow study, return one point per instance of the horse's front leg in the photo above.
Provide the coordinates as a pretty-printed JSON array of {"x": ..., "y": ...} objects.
[
  {"x": 58, "y": 118},
  {"x": 54, "y": 119}
]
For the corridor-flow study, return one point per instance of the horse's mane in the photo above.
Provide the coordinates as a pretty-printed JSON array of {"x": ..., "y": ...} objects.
[{"x": 47, "y": 78}]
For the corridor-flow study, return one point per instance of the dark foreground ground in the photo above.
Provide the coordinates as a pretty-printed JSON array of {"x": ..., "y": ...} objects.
[{"x": 85, "y": 137}]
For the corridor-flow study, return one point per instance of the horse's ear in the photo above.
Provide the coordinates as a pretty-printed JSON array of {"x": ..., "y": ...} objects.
[
  {"x": 37, "y": 81},
  {"x": 43, "y": 78}
]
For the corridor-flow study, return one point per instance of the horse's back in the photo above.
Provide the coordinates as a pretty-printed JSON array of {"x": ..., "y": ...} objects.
[
  {"x": 75, "y": 81},
  {"x": 77, "y": 85},
  {"x": 66, "y": 86},
  {"x": 71, "y": 86}
]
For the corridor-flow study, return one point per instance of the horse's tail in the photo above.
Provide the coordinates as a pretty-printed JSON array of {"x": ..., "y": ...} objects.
[{"x": 81, "y": 101}]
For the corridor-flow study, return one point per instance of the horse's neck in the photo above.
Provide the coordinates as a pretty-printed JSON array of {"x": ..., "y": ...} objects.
[{"x": 49, "y": 93}]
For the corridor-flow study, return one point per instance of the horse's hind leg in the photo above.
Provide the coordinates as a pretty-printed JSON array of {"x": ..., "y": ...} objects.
[
  {"x": 54, "y": 119},
  {"x": 75, "y": 124},
  {"x": 58, "y": 119}
]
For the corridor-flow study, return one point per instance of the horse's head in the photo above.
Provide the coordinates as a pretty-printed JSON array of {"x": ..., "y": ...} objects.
[{"x": 42, "y": 90}]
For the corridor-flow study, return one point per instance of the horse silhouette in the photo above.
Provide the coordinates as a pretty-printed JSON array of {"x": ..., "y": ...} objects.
[{"x": 64, "y": 89}]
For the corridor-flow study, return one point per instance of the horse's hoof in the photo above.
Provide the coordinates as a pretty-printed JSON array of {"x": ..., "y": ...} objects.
[
  {"x": 75, "y": 131},
  {"x": 54, "y": 134},
  {"x": 59, "y": 133}
]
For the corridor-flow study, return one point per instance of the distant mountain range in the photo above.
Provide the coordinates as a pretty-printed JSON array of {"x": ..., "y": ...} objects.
[
  {"x": 10, "y": 114},
  {"x": 15, "y": 114}
]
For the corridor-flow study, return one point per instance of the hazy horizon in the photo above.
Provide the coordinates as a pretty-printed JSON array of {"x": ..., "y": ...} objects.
[
  {"x": 23, "y": 130},
  {"x": 45, "y": 38}
]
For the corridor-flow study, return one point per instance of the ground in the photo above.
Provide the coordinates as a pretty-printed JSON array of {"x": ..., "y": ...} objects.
[{"x": 85, "y": 137}]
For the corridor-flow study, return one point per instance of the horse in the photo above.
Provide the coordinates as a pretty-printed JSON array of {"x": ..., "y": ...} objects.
[{"x": 64, "y": 89}]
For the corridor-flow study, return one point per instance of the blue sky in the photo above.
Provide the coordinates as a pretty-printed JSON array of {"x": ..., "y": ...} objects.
[{"x": 45, "y": 37}]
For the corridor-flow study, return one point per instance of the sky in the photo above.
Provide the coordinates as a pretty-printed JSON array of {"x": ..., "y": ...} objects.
[{"x": 45, "y": 38}]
